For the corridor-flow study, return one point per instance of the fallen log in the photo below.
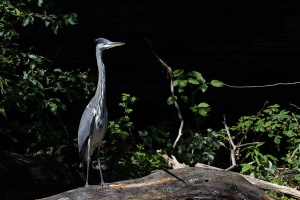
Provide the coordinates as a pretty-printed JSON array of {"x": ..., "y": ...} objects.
[{"x": 183, "y": 183}]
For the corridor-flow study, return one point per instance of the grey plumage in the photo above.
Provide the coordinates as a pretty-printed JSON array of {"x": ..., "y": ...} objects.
[{"x": 93, "y": 123}]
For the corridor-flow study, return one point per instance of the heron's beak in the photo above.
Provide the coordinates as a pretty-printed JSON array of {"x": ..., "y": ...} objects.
[{"x": 114, "y": 44}]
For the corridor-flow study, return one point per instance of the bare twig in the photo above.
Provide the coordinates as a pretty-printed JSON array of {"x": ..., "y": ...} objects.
[
  {"x": 234, "y": 147},
  {"x": 170, "y": 73},
  {"x": 295, "y": 106},
  {"x": 265, "y": 104},
  {"x": 261, "y": 86}
]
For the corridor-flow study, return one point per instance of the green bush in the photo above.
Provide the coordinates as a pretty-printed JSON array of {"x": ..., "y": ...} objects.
[
  {"x": 32, "y": 91},
  {"x": 277, "y": 157}
]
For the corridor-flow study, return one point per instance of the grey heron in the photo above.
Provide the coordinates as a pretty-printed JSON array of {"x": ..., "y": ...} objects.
[{"x": 93, "y": 123}]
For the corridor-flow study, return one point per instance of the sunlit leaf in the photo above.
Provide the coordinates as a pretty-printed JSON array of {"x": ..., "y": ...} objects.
[
  {"x": 195, "y": 74},
  {"x": 193, "y": 81},
  {"x": 170, "y": 100},
  {"x": 40, "y": 2},
  {"x": 182, "y": 83},
  {"x": 203, "y": 88},
  {"x": 175, "y": 83},
  {"x": 245, "y": 168},
  {"x": 178, "y": 72},
  {"x": 57, "y": 70},
  {"x": 47, "y": 23},
  {"x": 281, "y": 117},
  {"x": 203, "y": 105},
  {"x": 25, "y": 21},
  {"x": 217, "y": 83}
]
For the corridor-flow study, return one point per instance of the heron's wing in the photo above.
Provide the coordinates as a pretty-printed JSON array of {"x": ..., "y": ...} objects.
[{"x": 85, "y": 126}]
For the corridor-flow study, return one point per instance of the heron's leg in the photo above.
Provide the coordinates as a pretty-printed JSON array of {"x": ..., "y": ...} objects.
[
  {"x": 88, "y": 163},
  {"x": 99, "y": 164}
]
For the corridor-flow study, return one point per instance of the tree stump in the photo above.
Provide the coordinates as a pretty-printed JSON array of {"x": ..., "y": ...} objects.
[{"x": 184, "y": 183}]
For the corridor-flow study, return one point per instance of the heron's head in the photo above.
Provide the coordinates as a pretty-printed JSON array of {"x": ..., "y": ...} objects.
[{"x": 102, "y": 44}]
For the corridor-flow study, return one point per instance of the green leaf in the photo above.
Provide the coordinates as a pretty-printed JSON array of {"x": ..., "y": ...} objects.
[
  {"x": 293, "y": 126},
  {"x": 39, "y": 85},
  {"x": 25, "y": 21},
  {"x": 245, "y": 168},
  {"x": 262, "y": 129},
  {"x": 3, "y": 113},
  {"x": 194, "y": 74},
  {"x": 17, "y": 12},
  {"x": 297, "y": 116},
  {"x": 47, "y": 23},
  {"x": 182, "y": 83},
  {"x": 41, "y": 72},
  {"x": 277, "y": 139},
  {"x": 40, "y": 2},
  {"x": 175, "y": 83},
  {"x": 257, "y": 160},
  {"x": 178, "y": 72},
  {"x": 53, "y": 107},
  {"x": 210, "y": 157},
  {"x": 181, "y": 90},
  {"x": 57, "y": 70},
  {"x": 259, "y": 144},
  {"x": 281, "y": 117},
  {"x": 170, "y": 100},
  {"x": 193, "y": 81},
  {"x": 217, "y": 83},
  {"x": 143, "y": 133},
  {"x": 54, "y": 28},
  {"x": 185, "y": 99},
  {"x": 25, "y": 75},
  {"x": 272, "y": 157},
  {"x": 33, "y": 81},
  {"x": 202, "y": 112},
  {"x": 203, "y": 105},
  {"x": 32, "y": 65},
  {"x": 203, "y": 87},
  {"x": 70, "y": 18}
]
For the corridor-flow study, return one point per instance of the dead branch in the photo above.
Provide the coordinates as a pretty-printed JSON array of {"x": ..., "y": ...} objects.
[
  {"x": 234, "y": 147},
  {"x": 170, "y": 73},
  {"x": 261, "y": 86},
  {"x": 295, "y": 106}
]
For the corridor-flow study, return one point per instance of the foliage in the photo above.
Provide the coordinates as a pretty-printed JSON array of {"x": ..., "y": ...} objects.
[
  {"x": 278, "y": 131},
  {"x": 134, "y": 155},
  {"x": 158, "y": 137},
  {"x": 199, "y": 147},
  {"x": 195, "y": 146},
  {"x": 33, "y": 92},
  {"x": 194, "y": 82},
  {"x": 120, "y": 129}
]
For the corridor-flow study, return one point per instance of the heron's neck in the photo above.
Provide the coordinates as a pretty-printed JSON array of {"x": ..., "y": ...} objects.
[{"x": 100, "y": 92}]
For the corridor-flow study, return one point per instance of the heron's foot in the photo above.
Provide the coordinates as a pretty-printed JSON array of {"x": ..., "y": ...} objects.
[
  {"x": 104, "y": 185},
  {"x": 87, "y": 185}
]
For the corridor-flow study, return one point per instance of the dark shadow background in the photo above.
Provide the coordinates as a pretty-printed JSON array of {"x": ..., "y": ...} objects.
[{"x": 238, "y": 42}]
